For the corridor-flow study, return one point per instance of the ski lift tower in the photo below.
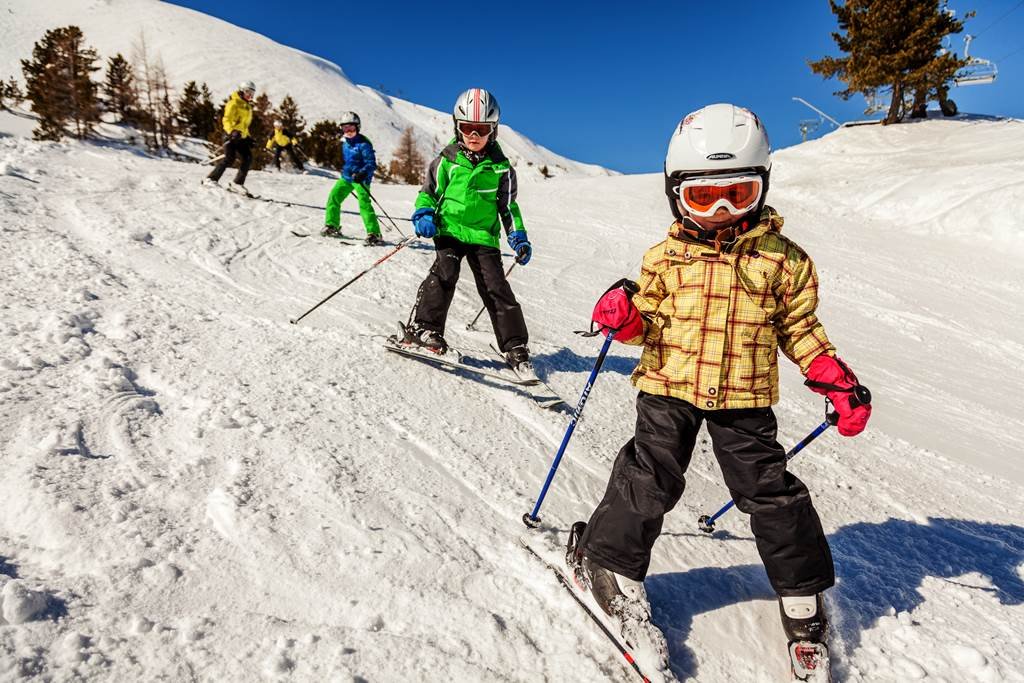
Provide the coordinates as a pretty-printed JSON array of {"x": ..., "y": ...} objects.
[{"x": 810, "y": 125}]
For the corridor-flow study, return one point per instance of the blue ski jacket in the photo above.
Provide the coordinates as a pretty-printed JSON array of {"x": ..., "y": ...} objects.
[{"x": 359, "y": 157}]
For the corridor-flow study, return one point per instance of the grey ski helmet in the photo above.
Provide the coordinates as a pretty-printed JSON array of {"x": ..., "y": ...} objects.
[{"x": 347, "y": 117}]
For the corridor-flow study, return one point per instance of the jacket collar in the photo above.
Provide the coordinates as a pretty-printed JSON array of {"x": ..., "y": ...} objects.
[
  {"x": 493, "y": 153},
  {"x": 728, "y": 240}
]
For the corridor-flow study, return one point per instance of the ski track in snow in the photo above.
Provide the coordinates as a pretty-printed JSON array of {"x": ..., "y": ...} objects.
[{"x": 194, "y": 489}]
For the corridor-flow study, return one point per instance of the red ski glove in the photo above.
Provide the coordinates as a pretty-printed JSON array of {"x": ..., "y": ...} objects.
[
  {"x": 616, "y": 313},
  {"x": 831, "y": 377}
]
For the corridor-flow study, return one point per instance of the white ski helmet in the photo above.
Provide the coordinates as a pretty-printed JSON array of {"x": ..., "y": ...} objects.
[
  {"x": 719, "y": 138},
  {"x": 476, "y": 105},
  {"x": 347, "y": 117},
  {"x": 278, "y": 124},
  {"x": 247, "y": 86}
]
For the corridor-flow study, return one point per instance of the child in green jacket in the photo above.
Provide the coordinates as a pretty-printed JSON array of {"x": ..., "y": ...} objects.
[{"x": 468, "y": 199}]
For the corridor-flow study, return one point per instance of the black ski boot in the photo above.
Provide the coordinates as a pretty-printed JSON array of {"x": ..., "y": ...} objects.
[
  {"x": 622, "y": 599},
  {"x": 619, "y": 597},
  {"x": 373, "y": 240},
  {"x": 803, "y": 618},
  {"x": 428, "y": 340},
  {"x": 518, "y": 359},
  {"x": 330, "y": 231}
]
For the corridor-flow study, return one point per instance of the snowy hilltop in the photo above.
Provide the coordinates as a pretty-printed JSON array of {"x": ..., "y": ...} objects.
[{"x": 195, "y": 46}]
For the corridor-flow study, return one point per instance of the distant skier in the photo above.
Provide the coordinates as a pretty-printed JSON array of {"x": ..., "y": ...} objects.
[
  {"x": 717, "y": 300},
  {"x": 468, "y": 198},
  {"x": 281, "y": 142},
  {"x": 236, "y": 120},
  {"x": 356, "y": 174}
]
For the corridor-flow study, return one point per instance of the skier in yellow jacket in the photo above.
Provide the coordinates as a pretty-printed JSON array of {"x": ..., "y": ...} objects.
[
  {"x": 716, "y": 302},
  {"x": 236, "y": 120},
  {"x": 281, "y": 142}
]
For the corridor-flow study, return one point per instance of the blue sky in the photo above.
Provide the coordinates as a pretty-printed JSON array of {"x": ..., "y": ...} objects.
[{"x": 605, "y": 82}]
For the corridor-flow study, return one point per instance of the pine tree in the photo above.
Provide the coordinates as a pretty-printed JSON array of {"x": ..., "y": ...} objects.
[
  {"x": 10, "y": 92},
  {"x": 196, "y": 111},
  {"x": 260, "y": 130},
  {"x": 58, "y": 83},
  {"x": 119, "y": 88},
  {"x": 288, "y": 114},
  {"x": 890, "y": 44},
  {"x": 323, "y": 144},
  {"x": 408, "y": 164},
  {"x": 216, "y": 137}
]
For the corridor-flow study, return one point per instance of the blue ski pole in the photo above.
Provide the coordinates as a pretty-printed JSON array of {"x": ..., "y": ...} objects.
[
  {"x": 531, "y": 519},
  {"x": 706, "y": 523}
]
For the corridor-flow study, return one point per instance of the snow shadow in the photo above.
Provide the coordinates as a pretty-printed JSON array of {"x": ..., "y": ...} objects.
[
  {"x": 879, "y": 567},
  {"x": 677, "y": 597},
  {"x": 8, "y": 569},
  {"x": 288, "y": 202},
  {"x": 567, "y": 360}
]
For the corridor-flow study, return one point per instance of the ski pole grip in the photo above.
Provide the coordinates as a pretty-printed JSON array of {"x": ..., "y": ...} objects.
[
  {"x": 832, "y": 418},
  {"x": 630, "y": 287},
  {"x": 861, "y": 396}
]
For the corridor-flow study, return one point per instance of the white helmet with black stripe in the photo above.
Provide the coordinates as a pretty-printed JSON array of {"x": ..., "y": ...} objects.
[
  {"x": 720, "y": 138},
  {"x": 476, "y": 105}
]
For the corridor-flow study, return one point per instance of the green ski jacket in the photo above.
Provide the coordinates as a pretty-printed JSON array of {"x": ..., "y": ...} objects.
[{"x": 473, "y": 203}]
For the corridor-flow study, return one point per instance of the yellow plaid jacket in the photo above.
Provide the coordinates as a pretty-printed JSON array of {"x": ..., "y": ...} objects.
[{"x": 715, "y": 320}]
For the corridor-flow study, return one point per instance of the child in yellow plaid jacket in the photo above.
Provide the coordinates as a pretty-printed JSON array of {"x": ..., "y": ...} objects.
[{"x": 717, "y": 300}]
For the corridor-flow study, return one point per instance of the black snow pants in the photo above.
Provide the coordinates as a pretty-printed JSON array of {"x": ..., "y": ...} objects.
[
  {"x": 242, "y": 147},
  {"x": 647, "y": 481},
  {"x": 291, "y": 154},
  {"x": 436, "y": 293}
]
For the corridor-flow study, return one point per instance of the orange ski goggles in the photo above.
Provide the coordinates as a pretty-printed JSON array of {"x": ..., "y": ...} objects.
[{"x": 705, "y": 195}]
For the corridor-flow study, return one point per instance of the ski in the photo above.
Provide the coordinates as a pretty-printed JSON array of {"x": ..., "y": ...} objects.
[
  {"x": 809, "y": 662},
  {"x": 241, "y": 191},
  {"x": 459, "y": 361},
  {"x": 342, "y": 239},
  {"x": 567, "y": 584}
]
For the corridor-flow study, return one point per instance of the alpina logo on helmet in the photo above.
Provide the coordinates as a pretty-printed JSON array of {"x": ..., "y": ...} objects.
[{"x": 720, "y": 156}]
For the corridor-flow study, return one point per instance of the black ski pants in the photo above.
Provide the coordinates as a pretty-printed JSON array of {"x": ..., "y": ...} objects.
[
  {"x": 647, "y": 481},
  {"x": 435, "y": 294},
  {"x": 241, "y": 148},
  {"x": 291, "y": 154}
]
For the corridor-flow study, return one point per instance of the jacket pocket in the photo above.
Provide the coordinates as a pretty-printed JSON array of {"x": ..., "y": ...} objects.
[{"x": 759, "y": 358}]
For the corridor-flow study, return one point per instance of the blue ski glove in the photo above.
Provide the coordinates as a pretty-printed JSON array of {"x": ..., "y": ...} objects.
[
  {"x": 423, "y": 221},
  {"x": 520, "y": 244}
]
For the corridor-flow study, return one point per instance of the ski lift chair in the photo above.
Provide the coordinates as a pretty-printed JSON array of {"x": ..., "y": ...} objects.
[{"x": 978, "y": 71}]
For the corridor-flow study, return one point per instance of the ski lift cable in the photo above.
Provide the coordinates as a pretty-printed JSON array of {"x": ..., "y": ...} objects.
[
  {"x": 1007, "y": 56},
  {"x": 1015, "y": 7}
]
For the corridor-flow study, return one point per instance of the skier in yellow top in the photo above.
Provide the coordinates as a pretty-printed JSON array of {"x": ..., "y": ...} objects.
[
  {"x": 281, "y": 142},
  {"x": 236, "y": 120}
]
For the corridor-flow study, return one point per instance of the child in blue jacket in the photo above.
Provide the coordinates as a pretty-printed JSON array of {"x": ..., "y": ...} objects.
[{"x": 356, "y": 174}]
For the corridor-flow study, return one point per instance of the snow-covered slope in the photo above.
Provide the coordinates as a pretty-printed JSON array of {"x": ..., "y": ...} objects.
[
  {"x": 195, "y": 46},
  {"x": 195, "y": 489}
]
